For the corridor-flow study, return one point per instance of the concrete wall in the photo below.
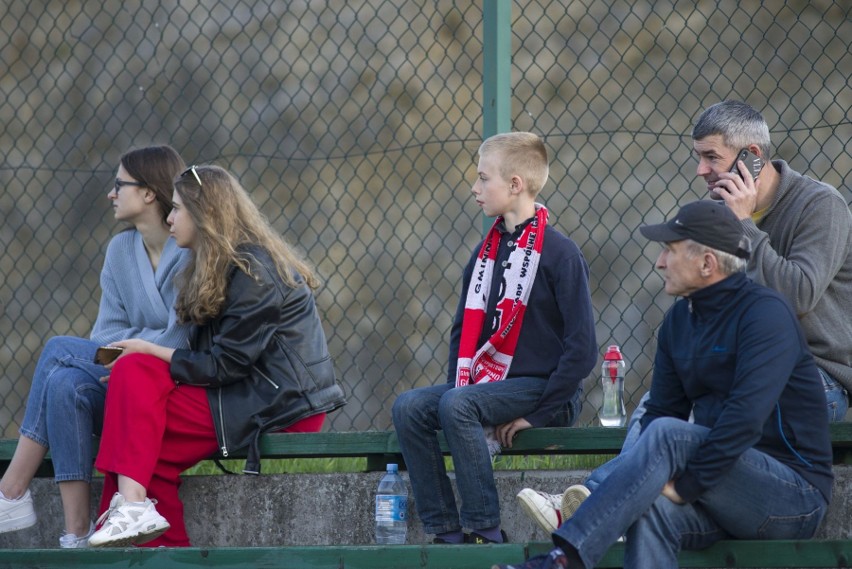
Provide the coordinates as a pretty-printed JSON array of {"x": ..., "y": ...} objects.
[{"x": 326, "y": 509}]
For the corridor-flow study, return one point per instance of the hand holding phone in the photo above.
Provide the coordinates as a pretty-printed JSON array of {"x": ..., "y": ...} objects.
[
  {"x": 105, "y": 355},
  {"x": 752, "y": 161}
]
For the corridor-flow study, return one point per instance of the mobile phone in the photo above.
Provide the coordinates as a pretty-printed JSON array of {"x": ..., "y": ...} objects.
[
  {"x": 752, "y": 161},
  {"x": 105, "y": 355}
]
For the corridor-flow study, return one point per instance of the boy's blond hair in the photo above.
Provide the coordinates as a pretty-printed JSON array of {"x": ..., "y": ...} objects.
[{"x": 520, "y": 154}]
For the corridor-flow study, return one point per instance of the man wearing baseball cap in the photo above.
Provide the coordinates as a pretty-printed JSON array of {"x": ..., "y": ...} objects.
[{"x": 758, "y": 453}]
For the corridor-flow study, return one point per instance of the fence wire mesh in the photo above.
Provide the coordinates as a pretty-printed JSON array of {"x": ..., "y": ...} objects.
[{"x": 355, "y": 126}]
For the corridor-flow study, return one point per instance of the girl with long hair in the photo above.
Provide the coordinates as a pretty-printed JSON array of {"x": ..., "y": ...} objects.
[
  {"x": 258, "y": 362},
  {"x": 66, "y": 400}
]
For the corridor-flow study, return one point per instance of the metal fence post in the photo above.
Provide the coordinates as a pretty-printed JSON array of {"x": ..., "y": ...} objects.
[{"x": 496, "y": 72}]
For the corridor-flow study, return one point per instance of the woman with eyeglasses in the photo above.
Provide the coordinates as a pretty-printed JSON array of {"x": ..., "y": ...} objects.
[
  {"x": 258, "y": 362},
  {"x": 66, "y": 400}
]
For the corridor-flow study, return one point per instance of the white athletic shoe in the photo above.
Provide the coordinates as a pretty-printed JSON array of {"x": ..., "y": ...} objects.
[
  {"x": 70, "y": 541},
  {"x": 572, "y": 498},
  {"x": 129, "y": 524},
  {"x": 543, "y": 508},
  {"x": 17, "y": 514}
]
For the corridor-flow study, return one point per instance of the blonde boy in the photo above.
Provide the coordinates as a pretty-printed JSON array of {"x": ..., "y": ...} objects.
[{"x": 521, "y": 344}]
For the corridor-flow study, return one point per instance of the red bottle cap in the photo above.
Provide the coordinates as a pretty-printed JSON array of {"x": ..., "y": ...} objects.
[{"x": 612, "y": 353}]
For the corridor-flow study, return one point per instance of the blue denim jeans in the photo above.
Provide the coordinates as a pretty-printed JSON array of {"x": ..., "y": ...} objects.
[
  {"x": 65, "y": 406},
  {"x": 836, "y": 397},
  {"x": 835, "y": 394},
  {"x": 419, "y": 414},
  {"x": 758, "y": 498}
]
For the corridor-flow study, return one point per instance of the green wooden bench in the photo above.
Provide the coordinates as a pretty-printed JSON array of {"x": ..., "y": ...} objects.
[{"x": 380, "y": 447}]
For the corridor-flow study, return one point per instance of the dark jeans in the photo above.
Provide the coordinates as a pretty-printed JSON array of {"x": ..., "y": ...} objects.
[{"x": 419, "y": 414}]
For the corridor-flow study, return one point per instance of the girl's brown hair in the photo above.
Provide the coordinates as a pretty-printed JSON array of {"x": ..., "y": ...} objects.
[
  {"x": 226, "y": 219},
  {"x": 156, "y": 168}
]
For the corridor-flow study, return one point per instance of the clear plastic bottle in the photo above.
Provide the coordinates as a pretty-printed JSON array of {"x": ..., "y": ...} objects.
[
  {"x": 391, "y": 508},
  {"x": 612, "y": 413}
]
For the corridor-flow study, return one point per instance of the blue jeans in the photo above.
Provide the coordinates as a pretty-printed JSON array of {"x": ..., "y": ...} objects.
[
  {"x": 758, "y": 498},
  {"x": 836, "y": 397},
  {"x": 461, "y": 412},
  {"x": 65, "y": 406}
]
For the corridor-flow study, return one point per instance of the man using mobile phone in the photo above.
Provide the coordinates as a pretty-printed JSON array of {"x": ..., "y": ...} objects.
[{"x": 801, "y": 234}]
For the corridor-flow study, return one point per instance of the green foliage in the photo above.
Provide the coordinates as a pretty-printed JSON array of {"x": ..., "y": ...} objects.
[
  {"x": 329, "y": 465},
  {"x": 550, "y": 462},
  {"x": 284, "y": 466}
]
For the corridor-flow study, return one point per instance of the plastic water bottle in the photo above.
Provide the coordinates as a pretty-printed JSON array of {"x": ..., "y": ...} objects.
[
  {"x": 612, "y": 413},
  {"x": 391, "y": 508}
]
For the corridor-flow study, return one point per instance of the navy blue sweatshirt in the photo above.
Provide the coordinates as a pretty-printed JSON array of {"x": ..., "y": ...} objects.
[
  {"x": 557, "y": 338},
  {"x": 734, "y": 354}
]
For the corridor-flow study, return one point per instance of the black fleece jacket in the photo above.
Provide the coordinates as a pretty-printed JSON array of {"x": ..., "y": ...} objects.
[{"x": 733, "y": 353}]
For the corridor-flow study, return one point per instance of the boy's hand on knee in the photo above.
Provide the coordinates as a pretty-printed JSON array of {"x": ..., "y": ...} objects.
[{"x": 507, "y": 431}]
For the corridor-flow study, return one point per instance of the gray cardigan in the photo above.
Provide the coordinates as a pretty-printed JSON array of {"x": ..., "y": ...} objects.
[
  {"x": 802, "y": 247},
  {"x": 136, "y": 301}
]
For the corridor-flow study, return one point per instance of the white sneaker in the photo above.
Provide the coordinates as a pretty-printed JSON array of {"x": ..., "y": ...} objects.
[
  {"x": 572, "y": 498},
  {"x": 16, "y": 514},
  {"x": 70, "y": 541},
  {"x": 543, "y": 508},
  {"x": 129, "y": 524}
]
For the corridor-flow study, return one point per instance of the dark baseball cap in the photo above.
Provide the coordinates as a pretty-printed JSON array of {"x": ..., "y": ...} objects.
[{"x": 710, "y": 223}]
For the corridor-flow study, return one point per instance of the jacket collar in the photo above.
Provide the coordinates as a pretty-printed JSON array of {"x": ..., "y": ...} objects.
[
  {"x": 503, "y": 229},
  {"x": 718, "y": 296}
]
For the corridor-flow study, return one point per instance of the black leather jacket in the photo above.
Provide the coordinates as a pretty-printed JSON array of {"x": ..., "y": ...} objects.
[{"x": 264, "y": 359}]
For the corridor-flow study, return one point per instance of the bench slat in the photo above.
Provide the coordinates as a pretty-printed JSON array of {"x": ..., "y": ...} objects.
[
  {"x": 312, "y": 557},
  {"x": 577, "y": 440},
  {"x": 728, "y": 553}
]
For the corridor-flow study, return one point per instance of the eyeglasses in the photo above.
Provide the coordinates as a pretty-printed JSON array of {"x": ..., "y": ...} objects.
[
  {"x": 194, "y": 173},
  {"x": 121, "y": 183}
]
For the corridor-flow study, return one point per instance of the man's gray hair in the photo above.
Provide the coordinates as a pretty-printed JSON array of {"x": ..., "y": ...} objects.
[
  {"x": 728, "y": 264},
  {"x": 739, "y": 124}
]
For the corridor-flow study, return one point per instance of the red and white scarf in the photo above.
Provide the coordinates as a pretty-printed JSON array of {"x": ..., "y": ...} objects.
[{"x": 491, "y": 362}]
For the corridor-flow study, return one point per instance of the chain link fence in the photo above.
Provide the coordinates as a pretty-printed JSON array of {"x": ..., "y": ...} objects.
[{"x": 355, "y": 126}]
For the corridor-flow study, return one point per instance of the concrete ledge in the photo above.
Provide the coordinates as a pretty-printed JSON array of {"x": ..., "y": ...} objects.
[{"x": 333, "y": 509}]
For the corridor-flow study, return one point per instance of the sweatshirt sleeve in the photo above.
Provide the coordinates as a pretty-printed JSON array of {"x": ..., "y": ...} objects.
[
  {"x": 579, "y": 344},
  {"x": 817, "y": 252},
  {"x": 113, "y": 322}
]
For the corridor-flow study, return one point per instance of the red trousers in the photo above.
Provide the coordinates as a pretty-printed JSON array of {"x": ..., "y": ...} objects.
[{"x": 155, "y": 429}]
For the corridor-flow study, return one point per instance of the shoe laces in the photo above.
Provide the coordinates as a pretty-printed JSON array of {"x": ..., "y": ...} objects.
[
  {"x": 118, "y": 515},
  {"x": 554, "y": 500},
  {"x": 114, "y": 504}
]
